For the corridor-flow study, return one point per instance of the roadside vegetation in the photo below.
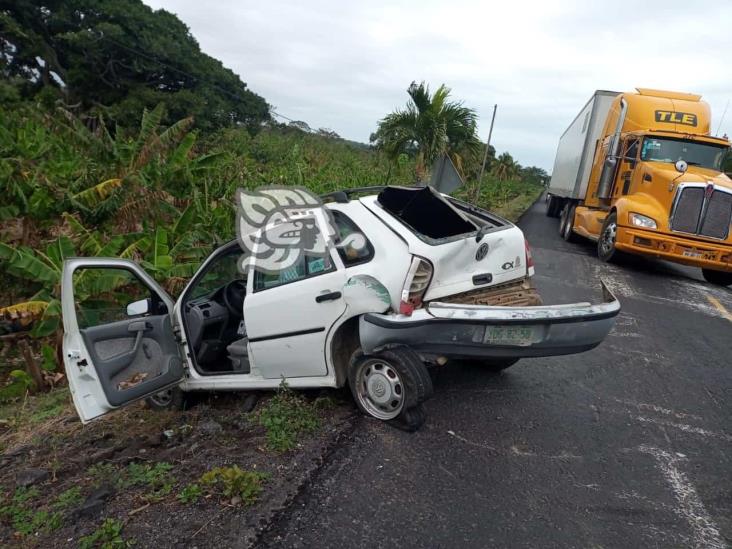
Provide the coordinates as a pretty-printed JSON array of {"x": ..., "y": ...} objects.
[{"x": 107, "y": 481}]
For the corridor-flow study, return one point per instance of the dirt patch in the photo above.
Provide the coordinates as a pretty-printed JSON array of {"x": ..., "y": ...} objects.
[{"x": 147, "y": 477}]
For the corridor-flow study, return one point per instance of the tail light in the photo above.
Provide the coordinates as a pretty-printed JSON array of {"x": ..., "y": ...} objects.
[
  {"x": 416, "y": 284},
  {"x": 529, "y": 257}
]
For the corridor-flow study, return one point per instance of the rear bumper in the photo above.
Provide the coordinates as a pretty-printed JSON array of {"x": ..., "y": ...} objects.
[
  {"x": 476, "y": 331},
  {"x": 709, "y": 255}
]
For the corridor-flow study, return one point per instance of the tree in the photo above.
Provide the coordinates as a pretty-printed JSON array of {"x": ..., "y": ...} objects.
[
  {"x": 535, "y": 175},
  {"x": 429, "y": 126},
  {"x": 505, "y": 167},
  {"x": 121, "y": 56}
]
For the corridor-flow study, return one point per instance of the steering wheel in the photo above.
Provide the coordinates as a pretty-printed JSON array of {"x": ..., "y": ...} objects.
[{"x": 233, "y": 295}]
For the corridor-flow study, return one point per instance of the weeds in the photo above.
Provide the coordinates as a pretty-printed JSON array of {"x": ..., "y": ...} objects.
[
  {"x": 68, "y": 499},
  {"x": 156, "y": 478},
  {"x": 190, "y": 493},
  {"x": 102, "y": 473},
  {"x": 286, "y": 417},
  {"x": 235, "y": 483},
  {"x": 107, "y": 536},
  {"x": 23, "y": 518}
]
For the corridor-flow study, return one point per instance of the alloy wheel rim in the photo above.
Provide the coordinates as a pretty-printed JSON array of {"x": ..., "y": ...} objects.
[
  {"x": 380, "y": 389},
  {"x": 608, "y": 238}
]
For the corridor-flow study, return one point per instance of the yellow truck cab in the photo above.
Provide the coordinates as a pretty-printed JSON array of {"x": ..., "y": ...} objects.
[{"x": 640, "y": 173}]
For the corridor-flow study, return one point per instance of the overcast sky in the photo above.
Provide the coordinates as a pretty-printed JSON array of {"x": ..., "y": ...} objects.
[{"x": 344, "y": 65}]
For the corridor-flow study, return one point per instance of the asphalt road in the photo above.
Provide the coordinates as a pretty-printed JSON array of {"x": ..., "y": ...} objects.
[{"x": 628, "y": 445}]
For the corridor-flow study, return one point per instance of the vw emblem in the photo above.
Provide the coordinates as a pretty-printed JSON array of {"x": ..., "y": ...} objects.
[
  {"x": 482, "y": 252},
  {"x": 379, "y": 388}
]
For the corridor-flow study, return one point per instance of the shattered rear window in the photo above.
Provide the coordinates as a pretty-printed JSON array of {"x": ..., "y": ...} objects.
[{"x": 425, "y": 212}]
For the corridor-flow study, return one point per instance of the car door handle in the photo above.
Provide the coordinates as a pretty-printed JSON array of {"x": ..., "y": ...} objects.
[{"x": 330, "y": 296}]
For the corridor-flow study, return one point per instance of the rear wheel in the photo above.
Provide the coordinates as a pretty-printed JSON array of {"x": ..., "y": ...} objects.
[
  {"x": 554, "y": 206},
  {"x": 717, "y": 277},
  {"x": 390, "y": 386},
  {"x": 606, "y": 243},
  {"x": 566, "y": 224}
]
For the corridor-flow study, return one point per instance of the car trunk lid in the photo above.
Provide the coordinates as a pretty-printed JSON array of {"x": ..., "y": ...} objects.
[{"x": 446, "y": 232}]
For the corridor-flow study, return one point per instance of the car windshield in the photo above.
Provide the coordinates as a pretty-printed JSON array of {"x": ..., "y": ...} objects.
[{"x": 667, "y": 149}]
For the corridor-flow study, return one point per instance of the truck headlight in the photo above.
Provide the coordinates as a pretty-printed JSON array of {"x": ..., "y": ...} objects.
[{"x": 642, "y": 221}]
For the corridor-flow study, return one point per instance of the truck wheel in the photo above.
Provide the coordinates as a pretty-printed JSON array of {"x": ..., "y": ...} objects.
[
  {"x": 553, "y": 207},
  {"x": 606, "y": 250},
  {"x": 717, "y": 277},
  {"x": 170, "y": 399},
  {"x": 390, "y": 385},
  {"x": 567, "y": 223}
]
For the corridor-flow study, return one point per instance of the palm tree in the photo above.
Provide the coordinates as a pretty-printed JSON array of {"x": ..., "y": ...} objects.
[
  {"x": 428, "y": 127},
  {"x": 505, "y": 167}
]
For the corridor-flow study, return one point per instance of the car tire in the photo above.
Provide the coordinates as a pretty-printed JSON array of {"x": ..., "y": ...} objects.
[
  {"x": 720, "y": 278},
  {"x": 606, "y": 250},
  {"x": 567, "y": 223},
  {"x": 390, "y": 385},
  {"x": 169, "y": 399}
]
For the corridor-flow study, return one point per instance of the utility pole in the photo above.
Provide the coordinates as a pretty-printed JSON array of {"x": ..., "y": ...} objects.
[{"x": 487, "y": 145}]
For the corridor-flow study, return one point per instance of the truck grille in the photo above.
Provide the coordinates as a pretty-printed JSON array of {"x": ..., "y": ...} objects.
[{"x": 702, "y": 210}]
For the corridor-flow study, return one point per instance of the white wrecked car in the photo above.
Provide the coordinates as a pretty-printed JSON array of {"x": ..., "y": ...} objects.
[{"x": 431, "y": 278}]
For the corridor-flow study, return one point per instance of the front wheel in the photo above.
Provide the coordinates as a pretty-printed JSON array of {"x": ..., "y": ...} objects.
[
  {"x": 721, "y": 278},
  {"x": 606, "y": 250},
  {"x": 169, "y": 399},
  {"x": 390, "y": 386}
]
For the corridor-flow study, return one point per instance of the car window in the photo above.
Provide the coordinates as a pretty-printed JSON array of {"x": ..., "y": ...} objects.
[
  {"x": 350, "y": 254},
  {"x": 101, "y": 295},
  {"x": 305, "y": 267},
  {"x": 222, "y": 270}
]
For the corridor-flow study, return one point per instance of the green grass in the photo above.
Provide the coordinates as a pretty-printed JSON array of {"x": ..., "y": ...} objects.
[
  {"x": 107, "y": 536},
  {"x": 35, "y": 409},
  {"x": 18, "y": 510},
  {"x": 508, "y": 199},
  {"x": 155, "y": 478},
  {"x": 286, "y": 417}
]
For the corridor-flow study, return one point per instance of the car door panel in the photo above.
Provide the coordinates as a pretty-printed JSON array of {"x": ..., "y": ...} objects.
[
  {"x": 113, "y": 358},
  {"x": 287, "y": 325},
  {"x": 121, "y": 354}
]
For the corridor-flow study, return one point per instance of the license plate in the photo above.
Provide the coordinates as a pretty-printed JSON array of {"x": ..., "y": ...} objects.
[
  {"x": 692, "y": 253},
  {"x": 521, "y": 336}
]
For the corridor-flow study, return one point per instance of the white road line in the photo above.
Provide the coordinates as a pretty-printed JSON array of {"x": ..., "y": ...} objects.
[
  {"x": 705, "y": 532},
  {"x": 470, "y": 442},
  {"x": 657, "y": 409},
  {"x": 685, "y": 428}
]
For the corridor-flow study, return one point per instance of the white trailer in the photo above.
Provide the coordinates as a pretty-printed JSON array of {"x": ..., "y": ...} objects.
[{"x": 576, "y": 151}]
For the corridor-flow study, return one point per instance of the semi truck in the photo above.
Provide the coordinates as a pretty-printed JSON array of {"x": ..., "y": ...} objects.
[{"x": 640, "y": 173}]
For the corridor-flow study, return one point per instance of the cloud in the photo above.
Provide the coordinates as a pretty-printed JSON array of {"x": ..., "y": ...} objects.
[{"x": 345, "y": 65}]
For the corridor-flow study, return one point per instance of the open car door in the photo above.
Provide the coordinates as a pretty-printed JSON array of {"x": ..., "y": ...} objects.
[{"x": 118, "y": 344}]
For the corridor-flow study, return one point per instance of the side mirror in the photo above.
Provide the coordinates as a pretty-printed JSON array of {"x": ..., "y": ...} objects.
[
  {"x": 140, "y": 307},
  {"x": 681, "y": 166}
]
